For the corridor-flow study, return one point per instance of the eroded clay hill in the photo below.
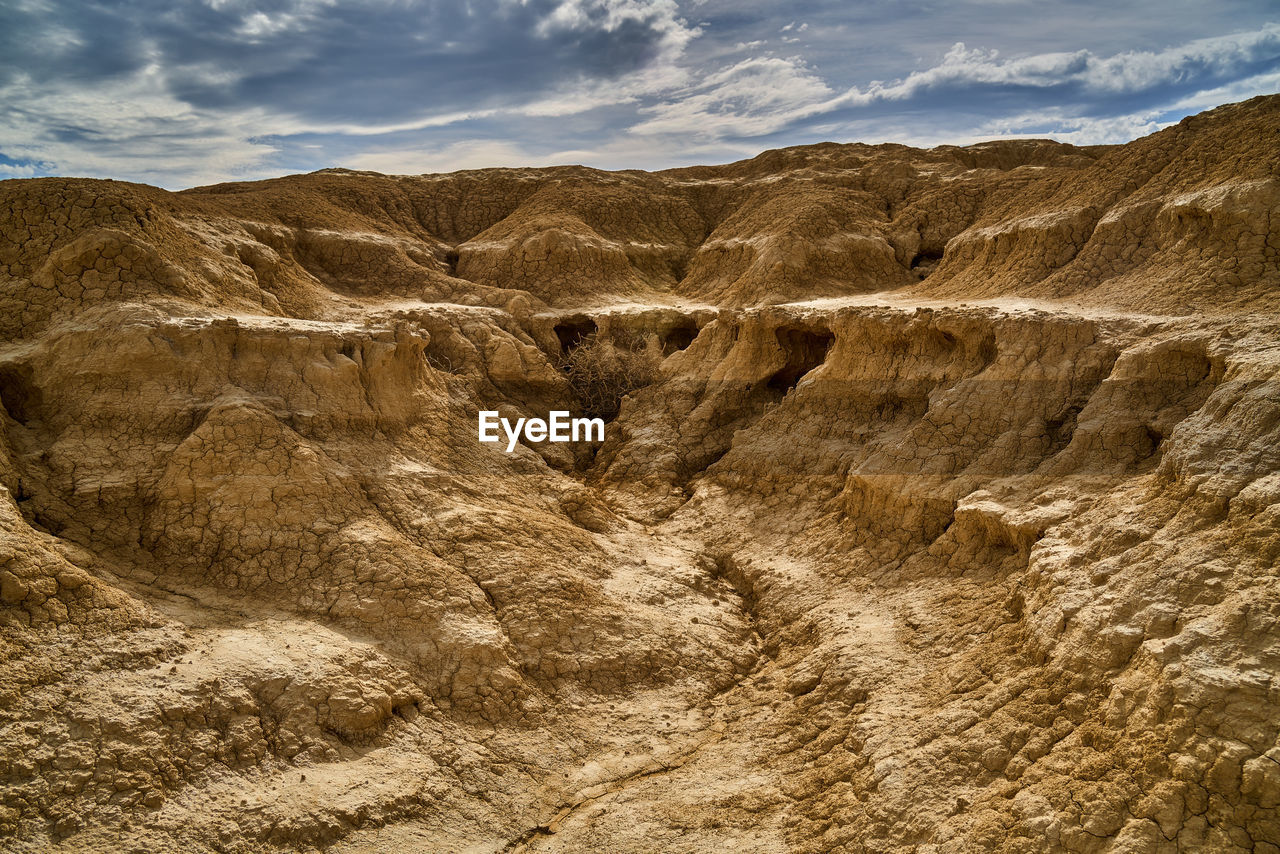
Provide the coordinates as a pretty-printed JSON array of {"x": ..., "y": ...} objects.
[{"x": 938, "y": 509}]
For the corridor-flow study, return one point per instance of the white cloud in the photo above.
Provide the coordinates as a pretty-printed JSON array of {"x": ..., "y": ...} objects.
[
  {"x": 751, "y": 98},
  {"x": 685, "y": 104},
  {"x": 1237, "y": 90},
  {"x": 258, "y": 25},
  {"x": 1132, "y": 71},
  {"x": 624, "y": 153},
  {"x": 762, "y": 96},
  {"x": 1076, "y": 130},
  {"x": 662, "y": 71},
  {"x": 132, "y": 127},
  {"x": 470, "y": 154},
  {"x": 21, "y": 170},
  {"x": 660, "y": 75},
  {"x": 659, "y": 16},
  {"x": 662, "y": 15}
]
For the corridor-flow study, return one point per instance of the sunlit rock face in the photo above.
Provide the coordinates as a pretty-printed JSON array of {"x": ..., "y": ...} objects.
[{"x": 938, "y": 507}]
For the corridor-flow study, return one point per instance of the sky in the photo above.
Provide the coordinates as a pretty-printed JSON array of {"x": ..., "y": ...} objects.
[{"x": 180, "y": 93}]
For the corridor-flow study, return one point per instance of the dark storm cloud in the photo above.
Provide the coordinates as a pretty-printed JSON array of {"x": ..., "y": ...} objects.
[{"x": 47, "y": 41}]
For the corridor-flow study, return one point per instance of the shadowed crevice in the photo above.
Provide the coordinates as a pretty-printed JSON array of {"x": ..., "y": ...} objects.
[{"x": 805, "y": 350}]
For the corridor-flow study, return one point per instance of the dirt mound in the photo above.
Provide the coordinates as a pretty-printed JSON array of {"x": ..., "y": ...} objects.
[{"x": 938, "y": 507}]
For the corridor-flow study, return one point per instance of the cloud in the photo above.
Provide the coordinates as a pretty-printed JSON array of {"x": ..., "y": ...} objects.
[
  {"x": 378, "y": 61},
  {"x": 126, "y": 128},
  {"x": 467, "y": 154},
  {"x": 1200, "y": 61},
  {"x": 209, "y": 90},
  {"x": 623, "y": 153},
  {"x": 1078, "y": 130},
  {"x": 759, "y": 97},
  {"x": 20, "y": 170},
  {"x": 1236, "y": 90},
  {"x": 216, "y": 89},
  {"x": 751, "y": 98}
]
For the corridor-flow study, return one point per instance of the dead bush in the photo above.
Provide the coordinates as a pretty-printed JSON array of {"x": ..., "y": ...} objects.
[{"x": 601, "y": 373}]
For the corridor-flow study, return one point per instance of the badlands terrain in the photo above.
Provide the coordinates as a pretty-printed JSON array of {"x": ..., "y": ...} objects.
[{"x": 938, "y": 508}]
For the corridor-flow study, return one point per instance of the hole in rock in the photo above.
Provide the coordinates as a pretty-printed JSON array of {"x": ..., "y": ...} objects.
[
  {"x": 926, "y": 261},
  {"x": 1061, "y": 427},
  {"x": 18, "y": 393},
  {"x": 44, "y": 523},
  {"x": 805, "y": 351},
  {"x": 938, "y": 344},
  {"x": 695, "y": 465},
  {"x": 679, "y": 337},
  {"x": 679, "y": 267},
  {"x": 987, "y": 350},
  {"x": 451, "y": 261},
  {"x": 573, "y": 330},
  {"x": 890, "y": 405},
  {"x": 1154, "y": 437}
]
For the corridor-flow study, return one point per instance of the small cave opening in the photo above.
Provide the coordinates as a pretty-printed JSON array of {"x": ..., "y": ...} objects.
[
  {"x": 988, "y": 349},
  {"x": 18, "y": 393},
  {"x": 1154, "y": 440},
  {"x": 679, "y": 266},
  {"x": 451, "y": 261},
  {"x": 926, "y": 261},
  {"x": 1061, "y": 427},
  {"x": 805, "y": 350},
  {"x": 47, "y": 524},
  {"x": 679, "y": 336},
  {"x": 889, "y": 405},
  {"x": 573, "y": 330}
]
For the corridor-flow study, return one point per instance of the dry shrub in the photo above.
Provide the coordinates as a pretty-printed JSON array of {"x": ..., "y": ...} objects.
[{"x": 601, "y": 373}]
